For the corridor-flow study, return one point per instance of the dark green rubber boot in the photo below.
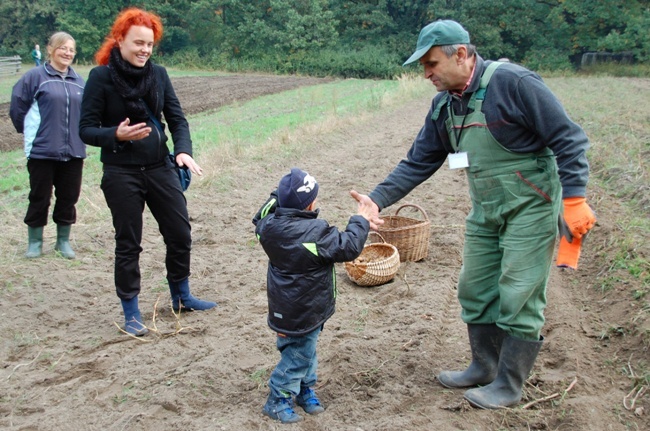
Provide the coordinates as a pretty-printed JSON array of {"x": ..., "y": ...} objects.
[
  {"x": 515, "y": 363},
  {"x": 485, "y": 342},
  {"x": 63, "y": 241},
  {"x": 34, "y": 242}
]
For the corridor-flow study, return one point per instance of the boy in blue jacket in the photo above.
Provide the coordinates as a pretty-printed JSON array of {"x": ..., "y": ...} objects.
[{"x": 301, "y": 285}]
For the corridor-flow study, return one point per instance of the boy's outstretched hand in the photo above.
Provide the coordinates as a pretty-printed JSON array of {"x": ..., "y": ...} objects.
[{"x": 367, "y": 209}]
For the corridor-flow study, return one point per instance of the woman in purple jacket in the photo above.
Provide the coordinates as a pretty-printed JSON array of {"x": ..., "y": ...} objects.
[{"x": 45, "y": 108}]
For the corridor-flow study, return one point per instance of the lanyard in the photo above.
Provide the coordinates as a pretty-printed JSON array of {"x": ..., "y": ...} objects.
[{"x": 458, "y": 133}]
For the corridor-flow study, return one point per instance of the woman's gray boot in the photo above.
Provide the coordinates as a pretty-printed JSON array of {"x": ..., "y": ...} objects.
[
  {"x": 485, "y": 342},
  {"x": 34, "y": 242},
  {"x": 515, "y": 363}
]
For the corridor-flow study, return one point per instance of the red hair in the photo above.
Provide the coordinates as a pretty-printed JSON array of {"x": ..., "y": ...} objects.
[{"x": 124, "y": 21}]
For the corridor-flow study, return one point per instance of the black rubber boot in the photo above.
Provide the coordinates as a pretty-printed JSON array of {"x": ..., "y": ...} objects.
[
  {"x": 34, "y": 242},
  {"x": 485, "y": 342},
  {"x": 515, "y": 363}
]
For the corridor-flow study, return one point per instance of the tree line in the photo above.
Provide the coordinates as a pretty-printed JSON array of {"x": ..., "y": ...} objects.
[{"x": 356, "y": 38}]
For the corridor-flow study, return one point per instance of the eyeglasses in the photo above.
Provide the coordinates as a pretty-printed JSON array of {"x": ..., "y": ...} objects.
[{"x": 67, "y": 50}]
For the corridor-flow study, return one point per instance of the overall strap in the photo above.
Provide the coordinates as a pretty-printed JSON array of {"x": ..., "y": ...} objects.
[
  {"x": 485, "y": 80},
  {"x": 478, "y": 94},
  {"x": 441, "y": 103}
]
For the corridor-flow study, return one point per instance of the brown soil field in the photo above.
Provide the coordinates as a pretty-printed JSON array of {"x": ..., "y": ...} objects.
[{"x": 64, "y": 365}]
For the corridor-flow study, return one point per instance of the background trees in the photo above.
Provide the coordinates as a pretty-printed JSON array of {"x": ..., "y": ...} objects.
[{"x": 341, "y": 37}]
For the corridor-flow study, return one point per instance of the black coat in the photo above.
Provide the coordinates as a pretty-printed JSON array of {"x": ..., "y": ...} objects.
[
  {"x": 301, "y": 278},
  {"x": 103, "y": 109}
]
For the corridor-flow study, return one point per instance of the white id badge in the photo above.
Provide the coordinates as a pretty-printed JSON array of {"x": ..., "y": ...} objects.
[{"x": 458, "y": 160}]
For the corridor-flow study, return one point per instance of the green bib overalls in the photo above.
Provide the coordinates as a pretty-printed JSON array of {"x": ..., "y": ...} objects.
[{"x": 511, "y": 229}]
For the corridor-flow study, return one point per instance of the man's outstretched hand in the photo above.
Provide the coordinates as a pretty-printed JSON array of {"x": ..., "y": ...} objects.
[{"x": 367, "y": 209}]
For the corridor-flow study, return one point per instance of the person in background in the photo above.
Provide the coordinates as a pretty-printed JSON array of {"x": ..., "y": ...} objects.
[
  {"x": 301, "y": 285},
  {"x": 125, "y": 98},
  {"x": 525, "y": 160},
  {"x": 36, "y": 55},
  {"x": 45, "y": 108}
]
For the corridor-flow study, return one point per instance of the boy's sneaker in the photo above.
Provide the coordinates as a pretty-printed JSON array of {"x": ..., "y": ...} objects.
[
  {"x": 309, "y": 402},
  {"x": 281, "y": 409}
]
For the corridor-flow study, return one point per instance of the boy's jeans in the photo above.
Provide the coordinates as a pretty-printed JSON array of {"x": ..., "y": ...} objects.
[{"x": 297, "y": 366}]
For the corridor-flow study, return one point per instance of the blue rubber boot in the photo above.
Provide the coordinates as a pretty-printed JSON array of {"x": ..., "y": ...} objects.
[
  {"x": 309, "y": 402},
  {"x": 132, "y": 318},
  {"x": 182, "y": 299},
  {"x": 281, "y": 409}
]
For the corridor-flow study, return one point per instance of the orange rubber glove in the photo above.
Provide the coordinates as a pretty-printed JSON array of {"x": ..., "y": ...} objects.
[
  {"x": 568, "y": 253},
  {"x": 574, "y": 225},
  {"x": 578, "y": 216}
]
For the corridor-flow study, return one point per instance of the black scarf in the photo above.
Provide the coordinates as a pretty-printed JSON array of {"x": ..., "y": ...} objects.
[{"x": 137, "y": 85}]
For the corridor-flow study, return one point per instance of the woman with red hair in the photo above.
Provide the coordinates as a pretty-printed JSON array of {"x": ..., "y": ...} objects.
[{"x": 122, "y": 109}]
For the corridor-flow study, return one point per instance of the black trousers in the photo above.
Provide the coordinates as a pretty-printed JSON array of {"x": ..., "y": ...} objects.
[
  {"x": 127, "y": 190},
  {"x": 65, "y": 178}
]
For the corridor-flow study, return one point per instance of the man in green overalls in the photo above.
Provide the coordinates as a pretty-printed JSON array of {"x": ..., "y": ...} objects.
[{"x": 526, "y": 166}]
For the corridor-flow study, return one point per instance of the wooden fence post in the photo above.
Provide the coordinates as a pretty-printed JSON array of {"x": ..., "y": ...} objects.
[{"x": 10, "y": 65}]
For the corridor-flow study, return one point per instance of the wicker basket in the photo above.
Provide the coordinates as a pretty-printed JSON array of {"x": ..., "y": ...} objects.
[
  {"x": 377, "y": 264},
  {"x": 409, "y": 235}
]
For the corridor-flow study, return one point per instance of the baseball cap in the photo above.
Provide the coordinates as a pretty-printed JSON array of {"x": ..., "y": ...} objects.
[
  {"x": 297, "y": 190},
  {"x": 441, "y": 32}
]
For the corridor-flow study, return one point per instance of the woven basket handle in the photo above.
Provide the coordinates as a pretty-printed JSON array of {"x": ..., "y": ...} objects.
[
  {"x": 424, "y": 214},
  {"x": 372, "y": 232}
]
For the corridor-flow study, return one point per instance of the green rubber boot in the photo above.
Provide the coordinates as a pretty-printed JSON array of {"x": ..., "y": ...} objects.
[
  {"x": 34, "y": 242},
  {"x": 63, "y": 241}
]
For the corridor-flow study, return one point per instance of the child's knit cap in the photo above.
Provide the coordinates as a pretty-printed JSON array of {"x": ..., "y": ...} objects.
[{"x": 297, "y": 190}]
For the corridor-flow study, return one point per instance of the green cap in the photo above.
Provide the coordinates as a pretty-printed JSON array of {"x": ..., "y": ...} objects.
[{"x": 441, "y": 32}]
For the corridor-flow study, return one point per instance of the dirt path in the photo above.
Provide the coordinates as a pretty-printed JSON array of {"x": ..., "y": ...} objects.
[{"x": 66, "y": 367}]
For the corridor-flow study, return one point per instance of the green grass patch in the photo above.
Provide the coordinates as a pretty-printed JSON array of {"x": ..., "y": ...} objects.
[
  {"x": 618, "y": 70},
  {"x": 256, "y": 121}
]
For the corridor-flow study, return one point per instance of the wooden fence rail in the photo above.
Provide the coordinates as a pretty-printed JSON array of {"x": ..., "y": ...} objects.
[{"x": 10, "y": 65}]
